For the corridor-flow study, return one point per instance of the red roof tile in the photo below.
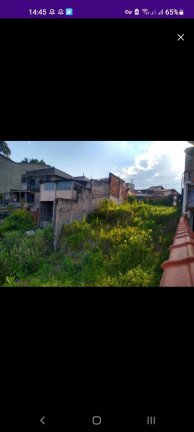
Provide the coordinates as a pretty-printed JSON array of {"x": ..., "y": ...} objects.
[{"x": 179, "y": 268}]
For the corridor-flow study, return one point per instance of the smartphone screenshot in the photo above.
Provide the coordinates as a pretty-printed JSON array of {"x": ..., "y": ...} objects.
[{"x": 96, "y": 215}]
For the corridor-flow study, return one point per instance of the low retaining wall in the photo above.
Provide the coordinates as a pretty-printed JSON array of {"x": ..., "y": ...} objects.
[{"x": 179, "y": 268}]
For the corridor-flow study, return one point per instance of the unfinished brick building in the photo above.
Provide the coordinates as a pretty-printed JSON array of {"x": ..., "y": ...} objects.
[{"x": 63, "y": 201}]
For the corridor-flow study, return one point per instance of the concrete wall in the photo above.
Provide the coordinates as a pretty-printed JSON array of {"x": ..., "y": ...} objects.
[
  {"x": 189, "y": 158},
  {"x": 67, "y": 211},
  {"x": 99, "y": 189},
  {"x": 37, "y": 200},
  {"x": 23, "y": 186},
  {"x": 10, "y": 173},
  {"x": 64, "y": 194},
  {"x": 51, "y": 195}
]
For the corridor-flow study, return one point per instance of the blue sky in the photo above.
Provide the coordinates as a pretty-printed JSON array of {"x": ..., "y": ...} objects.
[{"x": 148, "y": 163}]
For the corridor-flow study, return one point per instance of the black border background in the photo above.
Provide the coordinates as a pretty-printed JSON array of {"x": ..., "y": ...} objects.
[{"x": 96, "y": 80}]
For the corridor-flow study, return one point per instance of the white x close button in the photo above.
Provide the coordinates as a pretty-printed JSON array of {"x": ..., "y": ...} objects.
[{"x": 180, "y": 37}]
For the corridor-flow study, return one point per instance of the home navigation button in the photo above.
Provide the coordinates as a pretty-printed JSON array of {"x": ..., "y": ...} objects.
[{"x": 96, "y": 420}]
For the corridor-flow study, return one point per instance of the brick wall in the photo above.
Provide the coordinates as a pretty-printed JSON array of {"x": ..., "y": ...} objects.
[
  {"x": 124, "y": 191},
  {"x": 118, "y": 189},
  {"x": 35, "y": 215}
]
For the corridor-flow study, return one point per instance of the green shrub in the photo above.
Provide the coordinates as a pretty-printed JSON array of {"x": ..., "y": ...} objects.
[
  {"x": 18, "y": 220},
  {"x": 131, "y": 199}
]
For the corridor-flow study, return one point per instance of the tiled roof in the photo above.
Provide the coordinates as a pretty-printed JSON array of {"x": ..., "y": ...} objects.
[
  {"x": 179, "y": 268},
  {"x": 156, "y": 188}
]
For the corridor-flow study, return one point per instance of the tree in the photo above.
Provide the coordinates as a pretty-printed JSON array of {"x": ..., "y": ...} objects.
[
  {"x": 4, "y": 148},
  {"x": 42, "y": 162},
  {"x": 33, "y": 161}
]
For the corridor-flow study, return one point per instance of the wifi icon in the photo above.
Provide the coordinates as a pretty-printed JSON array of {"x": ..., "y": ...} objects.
[{"x": 145, "y": 11}]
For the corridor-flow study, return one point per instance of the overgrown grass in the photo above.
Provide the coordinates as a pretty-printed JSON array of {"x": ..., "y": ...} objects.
[
  {"x": 20, "y": 254},
  {"x": 117, "y": 246}
]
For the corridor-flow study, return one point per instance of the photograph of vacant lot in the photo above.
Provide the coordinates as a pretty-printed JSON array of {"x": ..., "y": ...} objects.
[{"x": 112, "y": 227}]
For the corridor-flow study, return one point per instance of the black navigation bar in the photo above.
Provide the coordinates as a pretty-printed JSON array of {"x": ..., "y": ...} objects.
[{"x": 96, "y": 420}]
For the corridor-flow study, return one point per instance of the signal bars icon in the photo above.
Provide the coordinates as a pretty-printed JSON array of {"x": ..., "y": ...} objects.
[
  {"x": 151, "y": 420},
  {"x": 161, "y": 12}
]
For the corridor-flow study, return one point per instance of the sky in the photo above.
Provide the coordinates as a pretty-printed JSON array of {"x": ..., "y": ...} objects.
[{"x": 147, "y": 163}]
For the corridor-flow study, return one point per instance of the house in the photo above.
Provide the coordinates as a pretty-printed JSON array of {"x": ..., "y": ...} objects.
[
  {"x": 188, "y": 190},
  {"x": 155, "y": 189},
  {"x": 152, "y": 190},
  {"x": 157, "y": 193},
  {"x": 29, "y": 190},
  {"x": 149, "y": 192}
]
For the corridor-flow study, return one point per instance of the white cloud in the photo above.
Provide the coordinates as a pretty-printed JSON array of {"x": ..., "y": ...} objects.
[{"x": 160, "y": 160}]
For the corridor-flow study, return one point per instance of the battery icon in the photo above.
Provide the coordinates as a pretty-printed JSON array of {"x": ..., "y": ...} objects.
[{"x": 181, "y": 12}]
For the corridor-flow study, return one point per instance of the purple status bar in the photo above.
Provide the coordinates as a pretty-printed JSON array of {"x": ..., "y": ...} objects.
[{"x": 70, "y": 9}]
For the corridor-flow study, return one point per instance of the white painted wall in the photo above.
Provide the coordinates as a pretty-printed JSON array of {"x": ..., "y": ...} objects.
[{"x": 50, "y": 195}]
